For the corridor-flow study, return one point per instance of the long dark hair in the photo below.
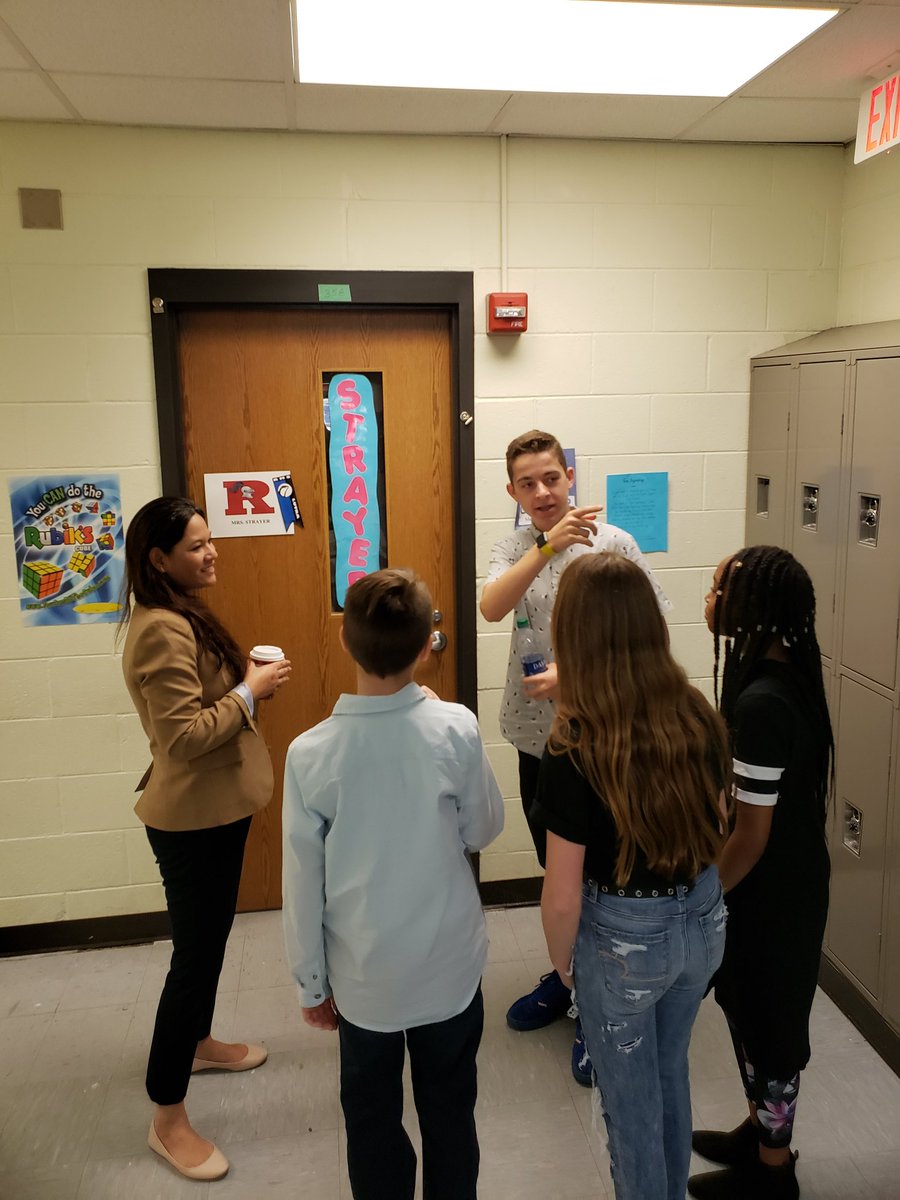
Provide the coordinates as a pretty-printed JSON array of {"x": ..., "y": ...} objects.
[
  {"x": 764, "y": 594},
  {"x": 649, "y": 744},
  {"x": 160, "y": 524}
]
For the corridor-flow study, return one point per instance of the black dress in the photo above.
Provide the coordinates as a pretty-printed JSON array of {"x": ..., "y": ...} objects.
[{"x": 777, "y": 913}]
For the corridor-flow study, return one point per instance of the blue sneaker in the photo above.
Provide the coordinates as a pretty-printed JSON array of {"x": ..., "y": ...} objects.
[
  {"x": 582, "y": 1071},
  {"x": 549, "y": 1001}
]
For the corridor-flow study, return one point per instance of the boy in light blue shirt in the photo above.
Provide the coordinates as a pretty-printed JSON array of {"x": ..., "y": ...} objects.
[{"x": 383, "y": 924}]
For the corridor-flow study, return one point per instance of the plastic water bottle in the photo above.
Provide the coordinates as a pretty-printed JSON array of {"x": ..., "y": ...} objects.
[{"x": 532, "y": 659}]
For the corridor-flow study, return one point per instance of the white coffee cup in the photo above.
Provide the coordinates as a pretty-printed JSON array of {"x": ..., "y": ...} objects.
[{"x": 266, "y": 654}]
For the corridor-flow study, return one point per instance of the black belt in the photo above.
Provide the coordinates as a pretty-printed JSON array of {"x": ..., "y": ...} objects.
[{"x": 638, "y": 893}]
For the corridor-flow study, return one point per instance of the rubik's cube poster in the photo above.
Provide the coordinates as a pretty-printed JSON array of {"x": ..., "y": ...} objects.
[{"x": 69, "y": 543}]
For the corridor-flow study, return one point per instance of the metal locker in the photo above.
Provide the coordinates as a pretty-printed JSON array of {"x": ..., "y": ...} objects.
[
  {"x": 892, "y": 922},
  {"x": 767, "y": 465},
  {"x": 872, "y": 589},
  {"x": 859, "y": 830},
  {"x": 815, "y": 507},
  {"x": 843, "y": 524}
]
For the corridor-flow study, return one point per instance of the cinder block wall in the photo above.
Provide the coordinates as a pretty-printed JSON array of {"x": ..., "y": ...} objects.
[
  {"x": 654, "y": 273},
  {"x": 870, "y": 241}
]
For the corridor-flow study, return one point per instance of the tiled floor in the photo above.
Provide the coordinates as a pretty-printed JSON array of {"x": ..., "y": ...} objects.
[{"x": 74, "y": 1031}]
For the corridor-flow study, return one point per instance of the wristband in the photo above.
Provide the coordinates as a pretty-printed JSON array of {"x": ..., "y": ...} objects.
[{"x": 547, "y": 550}]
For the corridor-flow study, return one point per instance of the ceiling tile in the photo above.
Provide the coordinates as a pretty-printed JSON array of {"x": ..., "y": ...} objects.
[
  {"x": 658, "y": 117},
  {"x": 24, "y": 96},
  {"x": 204, "y": 103},
  {"x": 752, "y": 120},
  {"x": 833, "y": 63},
  {"x": 208, "y": 39},
  {"x": 224, "y": 63},
  {"x": 332, "y": 108},
  {"x": 10, "y": 58}
]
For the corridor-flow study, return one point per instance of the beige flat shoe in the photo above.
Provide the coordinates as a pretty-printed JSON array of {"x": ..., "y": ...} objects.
[
  {"x": 255, "y": 1057},
  {"x": 214, "y": 1168}
]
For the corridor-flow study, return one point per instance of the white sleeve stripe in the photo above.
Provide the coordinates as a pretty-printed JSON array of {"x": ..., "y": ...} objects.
[
  {"x": 752, "y": 771},
  {"x": 764, "y": 800}
]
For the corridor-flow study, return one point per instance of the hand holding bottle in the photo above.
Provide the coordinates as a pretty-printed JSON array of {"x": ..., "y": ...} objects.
[{"x": 543, "y": 686}]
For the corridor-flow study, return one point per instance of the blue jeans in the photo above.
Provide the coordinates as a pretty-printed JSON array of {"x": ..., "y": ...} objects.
[{"x": 642, "y": 966}]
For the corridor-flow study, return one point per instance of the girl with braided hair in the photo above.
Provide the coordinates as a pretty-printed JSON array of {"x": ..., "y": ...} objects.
[{"x": 775, "y": 866}]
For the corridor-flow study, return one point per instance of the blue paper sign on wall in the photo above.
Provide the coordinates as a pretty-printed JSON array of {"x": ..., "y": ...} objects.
[{"x": 639, "y": 503}]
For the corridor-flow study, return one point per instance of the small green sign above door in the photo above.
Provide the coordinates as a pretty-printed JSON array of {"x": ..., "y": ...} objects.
[{"x": 334, "y": 292}]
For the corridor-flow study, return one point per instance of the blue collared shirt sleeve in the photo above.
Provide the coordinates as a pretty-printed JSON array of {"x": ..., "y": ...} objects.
[
  {"x": 480, "y": 806},
  {"x": 244, "y": 691},
  {"x": 304, "y": 892}
]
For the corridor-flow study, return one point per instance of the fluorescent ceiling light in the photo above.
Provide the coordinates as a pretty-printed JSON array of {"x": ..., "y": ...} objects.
[{"x": 589, "y": 46}]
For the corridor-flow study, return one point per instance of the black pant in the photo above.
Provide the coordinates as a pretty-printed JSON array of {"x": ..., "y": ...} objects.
[
  {"x": 380, "y": 1158},
  {"x": 528, "y": 780},
  {"x": 201, "y": 871}
]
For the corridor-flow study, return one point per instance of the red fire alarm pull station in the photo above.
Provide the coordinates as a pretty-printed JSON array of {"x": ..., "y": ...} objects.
[{"x": 507, "y": 312}]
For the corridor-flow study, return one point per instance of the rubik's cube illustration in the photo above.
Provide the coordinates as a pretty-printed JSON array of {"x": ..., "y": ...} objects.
[
  {"x": 83, "y": 563},
  {"x": 106, "y": 541},
  {"x": 108, "y": 518},
  {"x": 42, "y": 579}
]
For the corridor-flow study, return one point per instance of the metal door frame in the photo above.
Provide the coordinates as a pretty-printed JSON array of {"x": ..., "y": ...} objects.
[{"x": 173, "y": 291}]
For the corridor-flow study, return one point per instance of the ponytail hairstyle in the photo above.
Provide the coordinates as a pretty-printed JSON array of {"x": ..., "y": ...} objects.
[
  {"x": 160, "y": 524},
  {"x": 649, "y": 744},
  {"x": 764, "y": 593}
]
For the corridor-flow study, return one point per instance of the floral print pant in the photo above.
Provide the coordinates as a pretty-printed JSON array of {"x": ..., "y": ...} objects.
[{"x": 775, "y": 1099}]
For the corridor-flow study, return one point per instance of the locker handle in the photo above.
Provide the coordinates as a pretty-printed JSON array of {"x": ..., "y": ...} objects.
[
  {"x": 809, "y": 504},
  {"x": 762, "y": 496},
  {"x": 852, "y": 831},
  {"x": 869, "y": 517}
]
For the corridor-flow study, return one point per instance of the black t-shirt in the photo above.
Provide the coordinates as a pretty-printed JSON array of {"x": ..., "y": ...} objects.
[
  {"x": 567, "y": 805},
  {"x": 777, "y": 913}
]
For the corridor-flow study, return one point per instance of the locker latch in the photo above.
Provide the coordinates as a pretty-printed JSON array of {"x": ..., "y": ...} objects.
[
  {"x": 762, "y": 496},
  {"x": 869, "y": 516},
  {"x": 852, "y": 836},
  {"x": 810, "y": 502}
]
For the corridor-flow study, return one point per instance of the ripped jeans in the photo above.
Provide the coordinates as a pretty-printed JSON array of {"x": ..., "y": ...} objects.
[{"x": 642, "y": 967}]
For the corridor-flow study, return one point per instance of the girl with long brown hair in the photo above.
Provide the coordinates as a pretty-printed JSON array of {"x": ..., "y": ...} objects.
[{"x": 630, "y": 793}]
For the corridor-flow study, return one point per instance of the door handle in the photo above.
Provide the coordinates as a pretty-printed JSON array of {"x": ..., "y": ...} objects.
[{"x": 438, "y": 640}]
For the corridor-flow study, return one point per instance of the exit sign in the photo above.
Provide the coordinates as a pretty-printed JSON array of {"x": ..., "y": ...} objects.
[{"x": 878, "y": 127}]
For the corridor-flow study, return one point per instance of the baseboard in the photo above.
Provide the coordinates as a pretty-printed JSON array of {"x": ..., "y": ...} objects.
[
  {"x": 511, "y": 893},
  {"x": 93, "y": 932},
  {"x": 86, "y": 934},
  {"x": 870, "y": 1023}
]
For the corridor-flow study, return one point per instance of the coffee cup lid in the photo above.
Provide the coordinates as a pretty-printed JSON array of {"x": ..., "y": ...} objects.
[{"x": 267, "y": 653}]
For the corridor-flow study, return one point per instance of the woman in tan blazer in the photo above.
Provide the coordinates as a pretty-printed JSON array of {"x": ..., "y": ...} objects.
[{"x": 196, "y": 698}]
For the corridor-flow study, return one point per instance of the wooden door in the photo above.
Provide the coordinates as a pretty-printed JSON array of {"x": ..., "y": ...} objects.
[{"x": 252, "y": 398}]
